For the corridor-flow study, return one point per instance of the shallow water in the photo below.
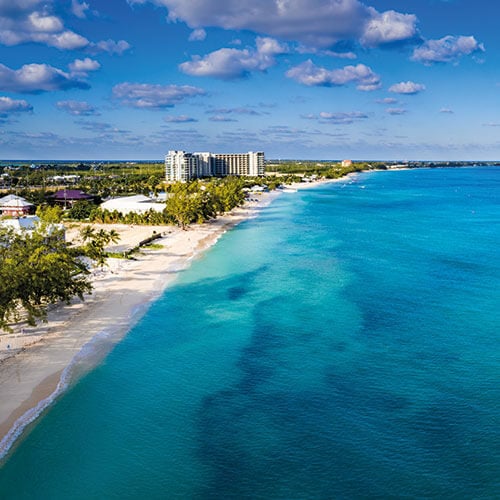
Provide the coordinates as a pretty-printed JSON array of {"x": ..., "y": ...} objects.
[{"x": 345, "y": 344}]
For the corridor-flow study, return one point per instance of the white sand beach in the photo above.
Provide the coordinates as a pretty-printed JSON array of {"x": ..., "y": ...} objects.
[
  {"x": 34, "y": 361},
  {"x": 38, "y": 363}
]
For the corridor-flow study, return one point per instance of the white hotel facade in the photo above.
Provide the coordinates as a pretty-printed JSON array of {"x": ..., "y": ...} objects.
[{"x": 182, "y": 166}]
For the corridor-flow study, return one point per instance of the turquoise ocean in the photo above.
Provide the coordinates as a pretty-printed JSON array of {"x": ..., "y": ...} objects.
[{"x": 344, "y": 344}]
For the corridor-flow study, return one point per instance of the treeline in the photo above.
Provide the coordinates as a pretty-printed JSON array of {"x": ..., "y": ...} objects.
[
  {"x": 187, "y": 203},
  {"x": 338, "y": 171},
  {"x": 39, "y": 268}
]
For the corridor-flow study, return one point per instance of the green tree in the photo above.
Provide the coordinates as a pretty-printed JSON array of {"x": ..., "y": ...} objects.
[
  {"x": 185, "y": 204},
  {"x": 95, "y": 242},
  {"x": 81, "y": 210},
  {"x": 37, "y": 269},
  {"x": 49, "y": 214}
]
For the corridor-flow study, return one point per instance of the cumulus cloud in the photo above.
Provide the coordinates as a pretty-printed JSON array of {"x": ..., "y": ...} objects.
[
  {"x": 315, "y": 23},
  {"x": 149, "y": 96},
  {"x": 110, "y": 46},
  {"x": 396, "y": 111},
  {"x": 197, "y": 35},
  {"x": 31, "y": 21},
  {"x": 447, "y": 49},
  {"x": 8, "y": 106},
  {"x": 82, "y": 67},
  {"x": 23, "y": 21},
  {"x": 408, "y": 88},
  {"x": 309, "y": 74},
  {"x": 79, "y": 9},
  {"x": 389, "y": 27},
  {"x": 77, "y": 108},
  {"x": 229, "y": 64},
  {"x": 36, "y": 78},
  {"x": 179, "y": 119}
]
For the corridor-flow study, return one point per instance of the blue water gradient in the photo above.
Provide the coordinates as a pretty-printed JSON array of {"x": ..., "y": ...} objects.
[{"x": 345, "y": 344}]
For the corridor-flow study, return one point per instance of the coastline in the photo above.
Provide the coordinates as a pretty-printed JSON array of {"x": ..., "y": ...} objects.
[{"x": 78, "y": 337}]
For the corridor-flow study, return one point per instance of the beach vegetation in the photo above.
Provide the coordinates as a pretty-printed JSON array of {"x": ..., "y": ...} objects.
[
  {"x": 38, "y": 268},
  {"x": 95, "y": 242},
  {"x": 153, "y": 246},
  {"x": 187, "y": 203}
]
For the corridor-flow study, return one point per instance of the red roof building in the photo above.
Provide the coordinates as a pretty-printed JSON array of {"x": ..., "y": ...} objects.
[{"x": 15, "y": 206}]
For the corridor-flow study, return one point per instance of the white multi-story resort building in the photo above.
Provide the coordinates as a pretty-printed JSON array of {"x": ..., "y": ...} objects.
[{"x": 182, "y": 166}]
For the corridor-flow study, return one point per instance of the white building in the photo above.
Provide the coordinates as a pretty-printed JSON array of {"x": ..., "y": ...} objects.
[
  {"x": 139, "y": 204},
  {"x": 182, "y": 166},
  {"x": 29, "y": 223}
]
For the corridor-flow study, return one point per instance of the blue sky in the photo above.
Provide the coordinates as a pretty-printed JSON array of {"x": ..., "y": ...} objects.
[{"x": 318, "y": 79}]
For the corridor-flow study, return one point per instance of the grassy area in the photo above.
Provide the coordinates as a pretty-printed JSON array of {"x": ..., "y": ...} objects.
[{"x": 153, "y": 246}]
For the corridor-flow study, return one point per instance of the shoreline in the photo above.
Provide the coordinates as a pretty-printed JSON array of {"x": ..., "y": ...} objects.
[{"x": 76, "y": 338}]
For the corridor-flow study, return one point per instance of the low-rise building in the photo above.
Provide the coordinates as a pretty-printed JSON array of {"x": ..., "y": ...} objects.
[
  {"x": 29, "y": 223},
  {"x": 127, "y": 204},
  {"x": 68, "y": 197},
  {"x": 15, "y": 206}
]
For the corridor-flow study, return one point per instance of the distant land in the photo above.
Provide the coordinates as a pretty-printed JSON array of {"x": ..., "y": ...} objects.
[{"x": 271, "y": 161}]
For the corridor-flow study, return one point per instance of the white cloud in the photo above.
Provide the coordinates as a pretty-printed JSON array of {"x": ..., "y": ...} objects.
[
  {"x": 447, "y": 49},
  {"x": 387, "y": 100},
  {"x": 36, "y": 78},
  {"x": 229, "y": 63},
  {"x": 8, "y": 105},
  {"x": 31, "y": 21},
  {"x": 446, "y": 111},
  {"x": 179, "y": 119},
  {"x": 315, "y": 23},
  {"x": 101, "y": 127},
  {"x": 81, "y": 67},
  {"x": 389, "y": 27},
  {"x": 239, "y": 111},
  {"x": 197, "y": 35},
  {"x": 342, "y": 118},
  {"x": 221, "y": 118},
  {"x": 150, "y": 96},
  {"x": 77, "y": 108},
  {"x": 23, "y": 21},
  {"x": 407, "y": 88},
  {"x": 309, "y": 74},
  {"x": 111, "y": 47},
  {"x": 44, "y": 23},
  {"x": 301, "y": 49},
  {"x": 79, "y": 9},
  {"x": 396, "y": 111}
]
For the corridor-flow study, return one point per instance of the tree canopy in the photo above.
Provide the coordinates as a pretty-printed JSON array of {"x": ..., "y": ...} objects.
[{"x": 39, "y": 268}]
